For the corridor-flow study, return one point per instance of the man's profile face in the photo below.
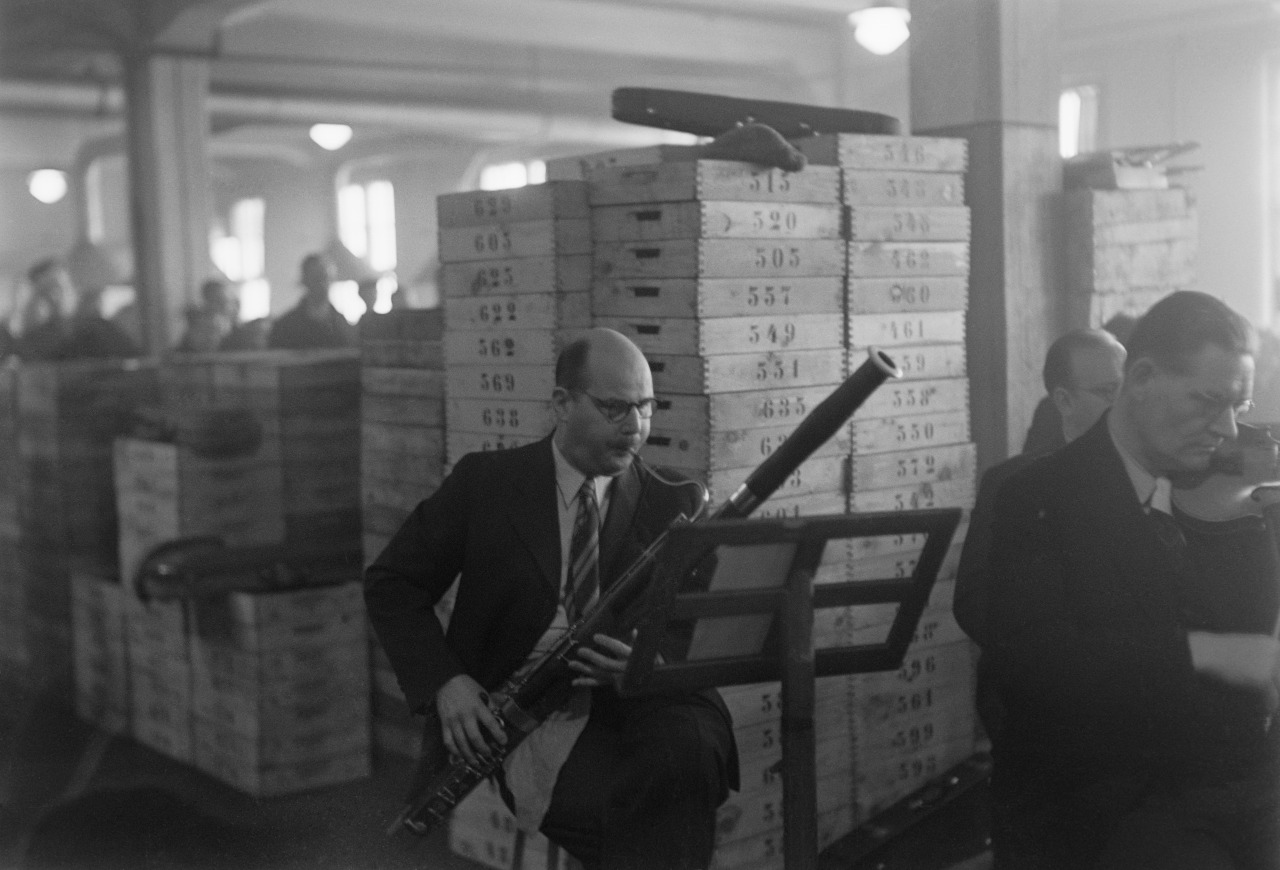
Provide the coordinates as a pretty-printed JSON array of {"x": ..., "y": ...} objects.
[
  {"x": 595, "y": 446},
  {"x": 1096, "y": 375},
  {"x": 1182, "y": 417},
  {"x": 317, "y": 275}
]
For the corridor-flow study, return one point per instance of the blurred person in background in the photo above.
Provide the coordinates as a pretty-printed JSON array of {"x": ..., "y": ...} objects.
[
  {"x": 67, "y": 324},
  {"x": 314, "y": 322}
]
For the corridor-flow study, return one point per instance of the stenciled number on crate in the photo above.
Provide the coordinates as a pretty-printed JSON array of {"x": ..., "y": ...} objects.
[
  {"x": 910, "y": 432},
  {"x": 911, "y": 363},
  {"x": 492, "y": 277},
  {"x": 776, "y": 513},
  {"x": 777, "y": 258},
  {"x": 773, "y": 181},
  {"x": 915, "y": 500},
  {"x": 497, "y": 347},
  {"x": 497, "y": 312},
  {"x": 917, "y": 667},
  {"x": 777, "y": 370},
  {"x": 492, "y": 206},
  {"x": 492, "y": 242},
  {"x": 914, "y": 737},
  {"x": 905, "y": 151},
  {"x": 774, "y": 334},
  {"x": 767, "y": 295},
  {"x": 912, "y": 397},
  {"x": 502, "y": 418},
  {"x": 910, "y": 293},
  {"x": 911, "y": 222},
  {"x": 783, "y": 408},
  {"x": 497, "y": 382},
  {"x": 904, "y": 329},
  {"x": 910, "y": 258},
  {"x": 917, "y": 466},
  {"x": 913, "y": 702},
  {"x": 774, "y": 220},
  {"x": 917, "y": 767}
]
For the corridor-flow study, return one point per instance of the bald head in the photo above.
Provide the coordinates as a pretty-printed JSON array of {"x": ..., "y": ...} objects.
[{"x": 598, "y": 373}]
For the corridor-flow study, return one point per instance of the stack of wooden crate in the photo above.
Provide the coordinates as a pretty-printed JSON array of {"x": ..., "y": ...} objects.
[
  {"x": 1126, "y": 249},
  {"x": 280, "y": 688},
  {"x": 305, "y": 408},
  {"x": 67, "y": 417},
  {"x": 159, "y": 676},
  {"x": 98, "y": 606},
  {"x": 401, "y": 463},
  {"x": 483, "y": 829},
  {"x": 515, "y": 278},
  {"x": 13, "y": 646}
]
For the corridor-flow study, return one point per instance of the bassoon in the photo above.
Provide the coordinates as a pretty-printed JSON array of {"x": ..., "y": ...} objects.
[{"x": 525, "y": 700}]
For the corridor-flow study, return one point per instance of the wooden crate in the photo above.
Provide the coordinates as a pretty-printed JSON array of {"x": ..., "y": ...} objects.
[
  {"x": 722, "y": 412},
  {"x": 862, "y": 151},
  {"x": 907, "y": 259},
  {"x": 556, "y": 199},
  {"x": 723, "y": 464},
  {"x": 499, "y": 241},
  {"x": 1115, "y": 268},
  {"x": 484, "y": 381},
  {"x": 924, "y": 223},
  {"x": 947, "y": 493},
  {"x": 99, "y": 652},
  {"x": 902, "y": 329},
  {"x": 501, "y": 417},
  {"x": 887, "y": 295},
  {"x": 519, "y": 311},
  {"x": 728, "y": 373},
  {"x": 902, "y": 467},
  {"x": 280, "y": 779},
  {"x": 548, "y": 274},
  {"x": 719, "y": 258},
  {"x": 502, "y": 347},
  {"x": 902, "y": 187},
  {"x": 459, "y": 444},
  {"x": 717, "y": 297},
  {"x": 712, "y": 180},
  {"x": 704, "y": 219},
  {"x": 923, "y": 361},
  {"x": 902, "y": 397},
  {"x": 276, "y": 620},
  {"x": 411, "y": 443},
  {"x": 579, "y": 166},
  {"x": 721, "y": 335}
]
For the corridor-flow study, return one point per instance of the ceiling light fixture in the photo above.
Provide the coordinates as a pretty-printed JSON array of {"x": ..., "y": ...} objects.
[
  {"x": 47, "y": 185},
  {"x": 330, "y": 137},
  {"x": 881, "y": 28}
]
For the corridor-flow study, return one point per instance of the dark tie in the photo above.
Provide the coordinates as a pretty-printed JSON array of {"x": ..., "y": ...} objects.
[
  {"x": 1167, "y": 529},
  {"x": 584, "y": 554}
]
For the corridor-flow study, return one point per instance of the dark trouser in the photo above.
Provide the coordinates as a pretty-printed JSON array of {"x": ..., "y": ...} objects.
[
  {"x": 1122, "y": 824},
  {"x": 640, "y": 789}
]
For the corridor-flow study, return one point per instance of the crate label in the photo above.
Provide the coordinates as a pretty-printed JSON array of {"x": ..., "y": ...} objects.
[
  {"x": 521, "y": 239},
  {"x": 459, "y": 444},
  {"x": 718, "y": 297},
  {"x": 712, "y": 180},
  {"x": 558, "y": 274},
  {"x": 719, "y": 258},
  {"x": 902, "y": 187},
  {"x": 886, "y": 295},
  {"x": 896, "y": 398},
  {"x": 938, "y": 223},
  {"x": 869, "y": 151},
  {"x": 877, "y": 435},
  {"x": 689, "y": 336},
  {"x": 501, "y": 347},
  {"x": 907, "y": 259},
  {"x": 895, "y": 330},
  {"x": 925, "y": 361},
  {"x": 722, "y": 220},
  {"x": 949, "y": 493},
  {"x": 501, "y": 416},
  {"x": 529, "y": 382},
  {"x": 898, "y": 468},
  {"x": 554, "y": 199},
  {"x": 699, "y": 375},
  {"x": 519, "y": 311}
]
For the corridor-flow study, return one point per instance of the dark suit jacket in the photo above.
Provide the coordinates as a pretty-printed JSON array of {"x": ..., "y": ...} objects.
[
  {"x": 1088, "y": 638},
  {"x": 494, "y": 520}
]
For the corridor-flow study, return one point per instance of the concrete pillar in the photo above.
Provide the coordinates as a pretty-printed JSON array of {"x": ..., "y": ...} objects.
[
  {"x": 988, "y": 71},
  {"x": 169, "y": 187}
]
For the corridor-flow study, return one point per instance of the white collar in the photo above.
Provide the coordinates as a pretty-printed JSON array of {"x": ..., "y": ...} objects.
[
  {"x": 1144, "y": 482},
  {"x": 569, "y": 479}
]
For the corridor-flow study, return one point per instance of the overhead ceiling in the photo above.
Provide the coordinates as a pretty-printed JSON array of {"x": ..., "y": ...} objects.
[{"x": 479, "y": 70}]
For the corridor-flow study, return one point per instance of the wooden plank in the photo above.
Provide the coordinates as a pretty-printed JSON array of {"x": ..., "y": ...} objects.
[
  {"x": 860, "y": 151},
  {"x": 937, "y": 223},
  {"x": 1101, "y": 208},
  {"x": 423, "y": 383},
  {"x": 920, "y": 362},
  {"x": 712, "y": 180},
  {"x": 889, "y": 187},
  {"x": 519, "y": 311},
  {"x": 554, "y": 199},
  {"x": 686, "y": 336},
  {"x": 459, "y": 444},
  {"x": 501, "y": 416},
  {"x": 717, "y": 297},
  {"x": 899, "y": 468},
  {"x": 884, "y": 295},
  {"x": 403, "y": 440},
  {"x": 950, "y": 493},
  {"x": 501, "y": 347},
  {"x": 903, "y": 329},
  {"x": 712, "y": 449},
  {"x": 896, "y": 398},
  {"x": 1115, "y": 268},
  {"x": 419, "y": 410},
  {"x": 402, "y": 353},
  {"x": 546, "y": 238},
  {"x": 698, "y": 375},
  {"x": 715, "y": 219},
  {"x": 819, "y": 475},
  {"x": 885, "y": 434},
  {"x": 741, "y": 410},
  {"x": 719, "y": 258},
  {"x": 907, "y": 259},
  {"x": 529, "y": 382},
  {"x": 517, "y": 275},
  {"x": 582, "y": 165}
]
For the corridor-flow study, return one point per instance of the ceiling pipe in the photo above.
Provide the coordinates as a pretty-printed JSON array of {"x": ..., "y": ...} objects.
[{"x": 496, "y": 125}]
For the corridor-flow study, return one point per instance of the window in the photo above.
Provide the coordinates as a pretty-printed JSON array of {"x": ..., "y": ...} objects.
[
  {"x": 503, "y": 176},
  {"x": 367, "y": 223},
  {"x": 239, "y": 250},
  {"x": 1078, "y": 121}
]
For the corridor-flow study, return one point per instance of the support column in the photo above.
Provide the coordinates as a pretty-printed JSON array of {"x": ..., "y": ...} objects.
[
  {"x": 988, "y": 71},
  {"x": 169, "y": 188}
]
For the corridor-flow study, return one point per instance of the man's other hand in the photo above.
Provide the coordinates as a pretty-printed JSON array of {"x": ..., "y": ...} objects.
[
  {"x": 1250, "y": 661},
  {"x": 465, "y": 716},
  {"x": 602, "y": 665}
]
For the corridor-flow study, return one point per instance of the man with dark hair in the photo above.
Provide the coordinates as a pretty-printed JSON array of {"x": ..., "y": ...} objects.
[
  {"x": 534, "y": 534},
  {"x": 74, "y": 328},
  {"x": 1137, "y": 677},
  {"x": 313, "y": 322}
]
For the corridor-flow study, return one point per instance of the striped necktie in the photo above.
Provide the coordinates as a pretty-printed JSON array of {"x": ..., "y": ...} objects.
[{"x": 584, "y": 554}]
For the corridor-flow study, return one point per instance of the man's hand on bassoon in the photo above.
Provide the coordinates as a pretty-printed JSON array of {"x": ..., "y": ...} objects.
[
  {"x": 463, "y": 706},
  {"x": 603, "y": 664}
]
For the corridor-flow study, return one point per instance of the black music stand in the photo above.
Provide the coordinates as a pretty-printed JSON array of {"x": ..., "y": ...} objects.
[{"x": 734, "y": 636}]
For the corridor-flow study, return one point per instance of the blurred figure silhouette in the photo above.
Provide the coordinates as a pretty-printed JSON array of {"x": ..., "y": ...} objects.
[{"x": 313, "y": 322}]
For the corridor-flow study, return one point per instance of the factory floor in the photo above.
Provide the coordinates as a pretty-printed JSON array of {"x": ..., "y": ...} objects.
[{"x": 73, "y": 798}]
